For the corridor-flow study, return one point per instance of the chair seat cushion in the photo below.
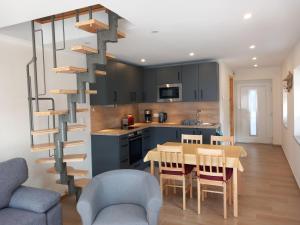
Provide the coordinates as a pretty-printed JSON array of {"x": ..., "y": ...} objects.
[
  {"x": 229, "y": 172},
  {"x": 125, "y": 214},
  {"x": 10, "y": 216},
  {"x": 187, "y": 169}
]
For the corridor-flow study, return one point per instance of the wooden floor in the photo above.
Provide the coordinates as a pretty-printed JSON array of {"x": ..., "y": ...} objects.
[{"x": 268, "y": 195}]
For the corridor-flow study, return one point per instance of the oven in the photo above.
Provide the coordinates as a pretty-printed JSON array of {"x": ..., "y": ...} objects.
[
  {"x": 169, "y": 93},
  {"x": 135, "y": 141}
]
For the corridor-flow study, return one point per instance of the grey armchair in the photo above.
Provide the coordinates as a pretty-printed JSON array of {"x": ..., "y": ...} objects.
[
  {"x": 127, "y": 197},
  {"x": 20, "y": 205}
]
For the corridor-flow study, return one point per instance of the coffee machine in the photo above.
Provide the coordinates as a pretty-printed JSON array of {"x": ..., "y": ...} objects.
[{"x": 148, "y": 115}]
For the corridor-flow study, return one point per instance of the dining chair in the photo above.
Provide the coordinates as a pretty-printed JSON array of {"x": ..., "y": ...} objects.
[
  {"x": 212, "y": 171},
  {"x": 172, "y": 168},
  {"x": 191, "y": 139},
  {"x": 226, "y": 140}
]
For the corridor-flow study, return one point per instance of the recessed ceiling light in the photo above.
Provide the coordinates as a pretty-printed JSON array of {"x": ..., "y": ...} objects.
[
  {"x": 255, "y": 65},
  {"x": 254, "y": 58},
  {"x": 154, "y": 31},
  {"x": 252, "y": 46},
  {"x": 143, "y": 60},
  {"x": 191, "y": 54},
  {"x": 247, "y": 16}
]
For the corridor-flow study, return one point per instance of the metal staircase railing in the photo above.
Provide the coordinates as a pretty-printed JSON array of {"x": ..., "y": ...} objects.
[{"x": 94, "y": 61}]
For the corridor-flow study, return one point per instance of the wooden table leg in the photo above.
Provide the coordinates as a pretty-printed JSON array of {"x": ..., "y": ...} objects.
[
  {"x": 152, "y": 167},
  {"x": 235, "y": 192}
]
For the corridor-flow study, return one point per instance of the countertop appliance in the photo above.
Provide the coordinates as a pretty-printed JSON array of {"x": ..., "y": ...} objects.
[
  {"x": 148, "y": 115},
  {"x": 169, "y": 93},
  {"x": 162, "y": 117},
  {"x": 127, "y": 121}
]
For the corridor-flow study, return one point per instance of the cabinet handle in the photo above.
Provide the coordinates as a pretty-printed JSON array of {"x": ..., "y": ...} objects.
[
  {"x": 176, "y": 134},
  {"x": 178, "y": 76},
  {"x": 201, "y": 93},
  {"x": 195, "y": 94}
]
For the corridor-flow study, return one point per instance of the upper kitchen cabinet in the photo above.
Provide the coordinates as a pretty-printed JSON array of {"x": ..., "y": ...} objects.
[
  {"x": 208, "y": 81},
  {"x": 121, "y": 85},
  {"x": 190, "y": 83},
  {"x": 149, "y": 85},
  {"x": 168, "y": 75}
]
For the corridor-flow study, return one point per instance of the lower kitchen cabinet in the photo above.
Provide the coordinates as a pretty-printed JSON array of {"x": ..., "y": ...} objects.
[{"x": 127, "y": 151}]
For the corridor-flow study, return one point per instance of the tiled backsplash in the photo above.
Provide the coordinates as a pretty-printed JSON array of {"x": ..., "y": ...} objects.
[
  {"x": 178, "y": 111},
  {"x": 103, "y": 117}
]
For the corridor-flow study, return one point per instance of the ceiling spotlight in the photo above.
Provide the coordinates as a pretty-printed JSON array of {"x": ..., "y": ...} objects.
[
  {"x": 255, "y": 65},
  {"x": 191, "y": 54},
  {"x": 252, "y": 46},
  {"x": 254, "y": 58},
  {"x": 143, "y": 60},
  {"x": 154, "y": 31},
  {"x": 247, "y": 16}
]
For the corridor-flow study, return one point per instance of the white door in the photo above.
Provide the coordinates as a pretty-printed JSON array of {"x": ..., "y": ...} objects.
[{"x": 254, "y": 111}]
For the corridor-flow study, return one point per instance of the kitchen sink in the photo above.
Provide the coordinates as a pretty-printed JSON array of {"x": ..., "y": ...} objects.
[{"x": 196, "y": 123}]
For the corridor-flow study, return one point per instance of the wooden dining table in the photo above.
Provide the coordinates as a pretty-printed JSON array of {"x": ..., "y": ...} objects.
[{"x": 233, "y": 154}]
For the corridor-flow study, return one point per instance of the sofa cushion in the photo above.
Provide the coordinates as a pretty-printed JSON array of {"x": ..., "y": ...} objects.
[
  {"x": 14, "y": 172},
  {"x": 125, "y": 214},
  {"x": 34, "y": 199},
  {"x": 9, "y": 216}
]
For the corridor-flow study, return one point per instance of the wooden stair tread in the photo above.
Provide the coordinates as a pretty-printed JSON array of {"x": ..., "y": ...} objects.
[
  {"x": 65, "y": 91},
  {"x": 100, "y": 73},
  {"x": 82, "y": 182},
  {"x": 51, "y": 146},
  {"x": 76, "y": 127},
  {"x": 73, "y": 127},
  {"x": 88, "y": 50},
  {"x": 42, "y": 147},
  {"x": 70, "y": 171},
  {"x": 84, "y": 49},
  {"x": 44, "y": 131},
  {"x": 69, "y": 69},
  {"x": 94, "y": 25},
  {"x": 67, "y": 158},
  {"x": 57, "y": 112}
]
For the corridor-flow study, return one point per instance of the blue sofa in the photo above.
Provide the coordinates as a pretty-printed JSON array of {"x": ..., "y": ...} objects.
[
  {"x": 121, "y": 197},
  {"x": 21, "y": 205}
]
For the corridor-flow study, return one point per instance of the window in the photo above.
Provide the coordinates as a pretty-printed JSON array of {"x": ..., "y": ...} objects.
[
  {"x": 252, "y": 99},
  {"x": 296, "y": 104}
]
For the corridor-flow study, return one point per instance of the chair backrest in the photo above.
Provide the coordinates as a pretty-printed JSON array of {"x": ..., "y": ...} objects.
[
  {"x": 171, "y": 158},
  {"x": 226, "y": 140},
  {"x": 191, "y": 139},
  {"x": 211, "y": 162}
]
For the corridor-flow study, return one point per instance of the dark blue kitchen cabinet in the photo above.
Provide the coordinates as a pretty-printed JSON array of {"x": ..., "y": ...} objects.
[
  {"x": 165, "y": 134},
  {"x": 109, "y": 153},
  {"x": 123, "y": 84},
  {"x": 208, "y": 81},
  {"x": 168, "y": 75},
  {"x": 190, "y": 83},
  {"x": 149, "y": 85},
  {"x": 205, "y": 132}
]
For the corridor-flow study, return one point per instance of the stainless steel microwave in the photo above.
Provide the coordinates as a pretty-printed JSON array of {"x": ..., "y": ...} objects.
[{"x": 169, "y": 93}]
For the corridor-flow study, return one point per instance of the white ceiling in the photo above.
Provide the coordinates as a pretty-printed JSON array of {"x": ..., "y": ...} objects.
[{"x": 212, "y": 29}]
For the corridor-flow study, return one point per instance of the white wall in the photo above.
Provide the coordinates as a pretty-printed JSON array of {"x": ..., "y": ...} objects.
[
  {"x": 272, "y": 73},
  {"x": 289, "y": 144},
  {"x": 14, "y": 120},
  {"x": 224, "y": 77}
]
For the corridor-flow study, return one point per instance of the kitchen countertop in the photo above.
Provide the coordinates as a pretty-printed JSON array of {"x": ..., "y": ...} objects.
[{"x": 141, "y": 126}]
